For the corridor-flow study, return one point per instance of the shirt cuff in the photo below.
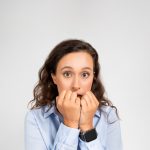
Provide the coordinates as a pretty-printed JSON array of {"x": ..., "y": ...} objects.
[
  {"x": 67, "y": 135},
  {"x": 95, "y": 144}
]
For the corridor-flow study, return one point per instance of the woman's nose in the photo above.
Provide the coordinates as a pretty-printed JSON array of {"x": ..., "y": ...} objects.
[{"x": 75, "y": 85}]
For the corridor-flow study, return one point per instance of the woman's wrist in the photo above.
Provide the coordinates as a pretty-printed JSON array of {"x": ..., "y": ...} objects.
[
  {"x": 71, "y": 124},
  {"x": 86, "y": 127}
]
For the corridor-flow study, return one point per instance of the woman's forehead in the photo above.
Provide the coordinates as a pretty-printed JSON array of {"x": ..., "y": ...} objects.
[{"x": 81, "y": 60}]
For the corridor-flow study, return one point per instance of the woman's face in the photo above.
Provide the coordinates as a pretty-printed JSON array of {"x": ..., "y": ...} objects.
[{"x": 74, "y": 72}]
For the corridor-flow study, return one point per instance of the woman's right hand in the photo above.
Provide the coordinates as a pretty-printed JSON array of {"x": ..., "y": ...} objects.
[{"x": 68, "y": 105}]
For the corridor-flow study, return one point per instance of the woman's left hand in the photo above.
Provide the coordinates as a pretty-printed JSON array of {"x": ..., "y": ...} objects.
[{"x": 89, "y": 105}]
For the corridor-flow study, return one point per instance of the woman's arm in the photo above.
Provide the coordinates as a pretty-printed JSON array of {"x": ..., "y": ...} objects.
[
  {"x": 66, "y": 137},
  {"x": 33, "y": 137},
  {"x": 112, "y": 141}
]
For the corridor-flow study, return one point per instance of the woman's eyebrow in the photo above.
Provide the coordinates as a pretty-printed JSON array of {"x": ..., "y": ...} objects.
[
  {"x": 87, "y": 68},
  {"x": 68, "y": 67}
]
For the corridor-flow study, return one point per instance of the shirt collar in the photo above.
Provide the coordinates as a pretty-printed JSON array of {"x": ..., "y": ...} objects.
[
  {"x": 98, "y": 113},
  {"x": 48, "y": 111}
]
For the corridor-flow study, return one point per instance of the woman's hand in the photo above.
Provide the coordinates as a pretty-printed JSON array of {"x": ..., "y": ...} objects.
[
  {"x": 68, "y": 105},
  {"x": 89, "y": 105}
]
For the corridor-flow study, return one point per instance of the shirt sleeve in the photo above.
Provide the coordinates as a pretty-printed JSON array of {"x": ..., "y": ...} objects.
[
  {"x": 33, "y": 137},
  {"x": 66, "y": 138},
  {"x": 113, "y": 140},
  {"x": 95, "y": 144},
  {"x": 113, "y": 136}
]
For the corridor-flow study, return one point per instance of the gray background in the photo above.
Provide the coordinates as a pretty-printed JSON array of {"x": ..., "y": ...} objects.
[{"x": 118, "y": 29}]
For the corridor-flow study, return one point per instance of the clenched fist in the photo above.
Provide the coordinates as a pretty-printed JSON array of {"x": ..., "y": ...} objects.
[
  {"x": 89, "y": 105},
  {"x": 77, "y": 112},
  {"x": 68, "y": 105}
]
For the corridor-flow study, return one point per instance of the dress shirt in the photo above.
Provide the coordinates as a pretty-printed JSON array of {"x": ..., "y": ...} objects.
[{"x": 44, "y": 130}]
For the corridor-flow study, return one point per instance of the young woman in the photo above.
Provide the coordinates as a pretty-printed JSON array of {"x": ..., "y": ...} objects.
[{"x": 70, "y": 111}]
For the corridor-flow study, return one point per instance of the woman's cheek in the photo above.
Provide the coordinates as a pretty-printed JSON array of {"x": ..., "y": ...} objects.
[
  {"x": 87, "y": 86},
  {"x": 64, "y": 85}
]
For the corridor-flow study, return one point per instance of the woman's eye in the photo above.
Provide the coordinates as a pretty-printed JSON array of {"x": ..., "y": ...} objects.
[
  {"x": 67, "y": 74},
  {"x": 85, "y": 74}
]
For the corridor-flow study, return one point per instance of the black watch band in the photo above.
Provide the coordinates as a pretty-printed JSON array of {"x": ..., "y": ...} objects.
[{"x": 89, "y": 135}]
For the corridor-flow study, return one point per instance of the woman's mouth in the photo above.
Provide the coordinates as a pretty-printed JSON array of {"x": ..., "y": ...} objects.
[{"x": 79, "y": 96}]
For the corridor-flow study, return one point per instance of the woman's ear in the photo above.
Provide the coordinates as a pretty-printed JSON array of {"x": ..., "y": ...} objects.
[{"x": 54, "y": 78}]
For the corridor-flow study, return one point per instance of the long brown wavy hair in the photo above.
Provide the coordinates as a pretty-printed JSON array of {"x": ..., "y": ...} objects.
[{"x": 46, "y": 91}]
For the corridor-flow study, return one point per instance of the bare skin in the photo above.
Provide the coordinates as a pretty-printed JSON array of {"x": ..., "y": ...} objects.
[{"x": 77, "y": 113}]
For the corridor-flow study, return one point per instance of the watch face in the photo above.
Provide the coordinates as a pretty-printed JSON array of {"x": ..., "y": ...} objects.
[{"x": 89, "y": 135}]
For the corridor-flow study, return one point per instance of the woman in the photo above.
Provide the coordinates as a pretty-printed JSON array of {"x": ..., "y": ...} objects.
[{"x": 70, "y": 111}]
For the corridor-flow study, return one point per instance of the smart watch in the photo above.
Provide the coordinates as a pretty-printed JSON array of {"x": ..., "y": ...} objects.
[{"x": 89, "y": 135}]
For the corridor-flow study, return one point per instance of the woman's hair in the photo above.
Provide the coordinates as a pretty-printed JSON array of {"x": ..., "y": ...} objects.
[{"x": 46, "y": 91}]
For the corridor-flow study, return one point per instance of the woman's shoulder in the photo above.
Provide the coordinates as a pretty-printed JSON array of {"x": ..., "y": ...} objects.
[
  {"x": 36, "y": 118},
  {"x": 110, "y": 112},
  {"x": 36, "y": 112},
  {"x": 107, "y": 109}
]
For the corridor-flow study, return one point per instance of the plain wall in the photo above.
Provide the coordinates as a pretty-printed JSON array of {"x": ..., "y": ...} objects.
[{"x": 119, "y": 30}]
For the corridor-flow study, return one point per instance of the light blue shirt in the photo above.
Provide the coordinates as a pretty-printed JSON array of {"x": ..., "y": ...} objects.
[{"x": 46, "y": 131}]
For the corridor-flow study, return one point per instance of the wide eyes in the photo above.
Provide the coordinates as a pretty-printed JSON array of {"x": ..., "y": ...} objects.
[
  {"x": 69, "y": 74},
  {"x": 85, "y": 75}
]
